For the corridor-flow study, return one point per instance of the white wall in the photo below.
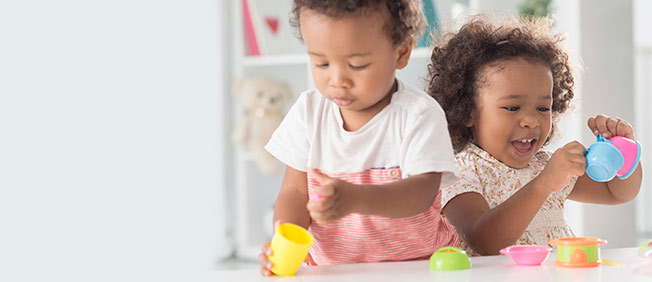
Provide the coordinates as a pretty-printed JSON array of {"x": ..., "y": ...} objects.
[
  {"x": 571, "y": 124},
  {"x": 608, "y": 88},
  {"x": 643, "y": 81},
  {"x": 111, "y": 142}
]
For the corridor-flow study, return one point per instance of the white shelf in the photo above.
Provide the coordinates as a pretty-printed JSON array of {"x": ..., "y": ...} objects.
[{"x": 275, "y": 60}]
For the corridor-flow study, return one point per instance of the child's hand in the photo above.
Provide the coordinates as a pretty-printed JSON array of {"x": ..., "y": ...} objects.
[
  {"x": 610, "y": 127},
  {"x": 266, "y": 251},
  {"x": 334, "y": 202},
  {"x": 263, "y": 259},
  {"x": 566, "y": 163}
]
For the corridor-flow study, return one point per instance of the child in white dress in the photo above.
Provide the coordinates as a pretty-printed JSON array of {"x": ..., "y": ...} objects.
[{"x": 502, "y": 86}]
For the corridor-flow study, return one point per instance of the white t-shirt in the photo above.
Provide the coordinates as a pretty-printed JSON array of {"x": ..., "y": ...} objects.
[
  {"x": 407, "y": 137},
  {"x": 410, "y": 133}
]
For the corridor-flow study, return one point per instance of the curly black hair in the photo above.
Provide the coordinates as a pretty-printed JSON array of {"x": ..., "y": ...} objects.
[
  {"x": 458, "y": 59},
  {"x": 406, "y": 19}
]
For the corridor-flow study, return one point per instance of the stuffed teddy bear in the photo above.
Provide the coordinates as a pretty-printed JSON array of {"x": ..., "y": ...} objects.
[{"x": 264, "y": 101}]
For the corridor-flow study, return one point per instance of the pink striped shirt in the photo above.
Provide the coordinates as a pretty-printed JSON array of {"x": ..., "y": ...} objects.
[{"x": 358, "y": 238}]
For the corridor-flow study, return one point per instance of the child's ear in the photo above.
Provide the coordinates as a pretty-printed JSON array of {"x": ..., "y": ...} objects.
[
  {"x": 469, "y": 123},
  {"x": 404, "y": 51}
]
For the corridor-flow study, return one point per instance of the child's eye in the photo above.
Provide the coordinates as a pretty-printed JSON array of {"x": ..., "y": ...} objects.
[
  {"x": 321, "y": 66},
  {"x": 359, "y": 67},
  {"x": 543, "y": 109},
  {"x": 512, "y": 109}
]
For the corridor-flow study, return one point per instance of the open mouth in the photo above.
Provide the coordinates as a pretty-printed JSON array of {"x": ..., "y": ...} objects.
[{"x": 524, "y": 147}]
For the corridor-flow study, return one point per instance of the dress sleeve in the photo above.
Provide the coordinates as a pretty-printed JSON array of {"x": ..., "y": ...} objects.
[
  {"x": 289, "y": 142},
  {"x": 469, "y": 180},
  {"x": 427, "y": 146}
]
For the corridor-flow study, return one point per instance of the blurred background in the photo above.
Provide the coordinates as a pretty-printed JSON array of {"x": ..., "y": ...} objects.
[{"x": 116, "y": 124}]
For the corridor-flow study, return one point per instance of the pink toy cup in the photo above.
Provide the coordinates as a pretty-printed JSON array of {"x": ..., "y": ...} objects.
[
  {"x": 631, "y": 151},
  {"x": 527, "y": 254}
]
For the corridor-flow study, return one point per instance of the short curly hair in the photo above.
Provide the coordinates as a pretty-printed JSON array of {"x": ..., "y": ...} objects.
[
  {"x": 458, "y": 59},
  {"x": 406, "y": 16}
]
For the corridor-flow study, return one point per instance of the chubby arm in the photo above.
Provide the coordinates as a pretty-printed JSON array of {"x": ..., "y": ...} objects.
[
  {"x": 291, "y": 201},
  {"x": 403, "y": 198},
  {"x": 488, "y": 230},
  {"x": 615, "y": 191}
]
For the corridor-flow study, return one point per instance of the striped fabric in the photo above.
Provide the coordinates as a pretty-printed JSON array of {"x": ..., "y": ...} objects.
[{"x": 362, "y": 238}]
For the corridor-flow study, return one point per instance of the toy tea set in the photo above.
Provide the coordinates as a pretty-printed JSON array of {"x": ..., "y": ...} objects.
[
  {"x": 605, "y": 159},
  {"x": 291, "y": 242},
  {"x": 571, "y": 252}
]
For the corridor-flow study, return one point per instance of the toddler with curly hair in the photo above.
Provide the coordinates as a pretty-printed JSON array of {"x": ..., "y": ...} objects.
[
  {"x": 365, "y": 153},
  {"x": 503, "y": 84}
]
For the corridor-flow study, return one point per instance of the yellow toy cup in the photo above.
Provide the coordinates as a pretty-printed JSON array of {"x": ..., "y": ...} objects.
[{"x": 290, "y": 246}]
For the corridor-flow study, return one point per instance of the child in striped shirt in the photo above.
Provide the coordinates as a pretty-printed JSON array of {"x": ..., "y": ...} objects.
[{"x": 365, "y": 153}]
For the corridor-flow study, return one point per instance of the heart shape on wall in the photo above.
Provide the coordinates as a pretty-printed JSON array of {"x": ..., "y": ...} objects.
[{"x": 272, "y": 23}]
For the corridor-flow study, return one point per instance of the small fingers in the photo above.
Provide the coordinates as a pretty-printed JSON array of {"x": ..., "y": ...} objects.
[
  {"x": 601, "y": 125},
  {"x": 265, "y": 248},
  {"x": 317, "y": 217},
  {"x": 324, "y": 217},
  {"x": 575, "y": 148},
  {"x": 263, "y": 259},
  {"x": 612, "y": 128},
  {"x": 321, "y": 205},
  {"x": 320, "y": 177},
  {"x": 624, "y": 129},
  {"x": 592, "y": 126},
  {"x": 579, "y": 159},
  {"x": 579, "y": 167},
  {"x": 326, "y": 190},
  {"x": 265, "y": 271}
]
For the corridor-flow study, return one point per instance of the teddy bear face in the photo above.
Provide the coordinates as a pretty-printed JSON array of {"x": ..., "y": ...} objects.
[{"x": 263, "y": 93}]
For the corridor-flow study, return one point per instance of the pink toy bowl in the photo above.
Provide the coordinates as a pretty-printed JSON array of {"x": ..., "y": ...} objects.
[{"x": 527, "y": 254}]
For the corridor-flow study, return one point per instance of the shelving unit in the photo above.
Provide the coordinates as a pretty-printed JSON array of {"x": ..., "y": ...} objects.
[{"x": 255, "y": 193}]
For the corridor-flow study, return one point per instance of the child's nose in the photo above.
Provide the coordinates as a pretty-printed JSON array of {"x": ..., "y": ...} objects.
[
  {"x": 339, "y": 78},
  {"x": 529, "y": 121}
]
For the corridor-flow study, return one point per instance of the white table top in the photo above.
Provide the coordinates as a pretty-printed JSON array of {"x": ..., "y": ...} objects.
[{"x": 488, "y": 268}]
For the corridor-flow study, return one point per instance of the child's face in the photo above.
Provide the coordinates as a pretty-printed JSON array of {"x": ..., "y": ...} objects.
[
  {"x": 353, "y": 60},
  {"x": 513, "y": 117}
]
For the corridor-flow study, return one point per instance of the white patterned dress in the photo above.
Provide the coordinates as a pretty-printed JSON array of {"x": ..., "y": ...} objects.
[{"x": 483, "y": 174}]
